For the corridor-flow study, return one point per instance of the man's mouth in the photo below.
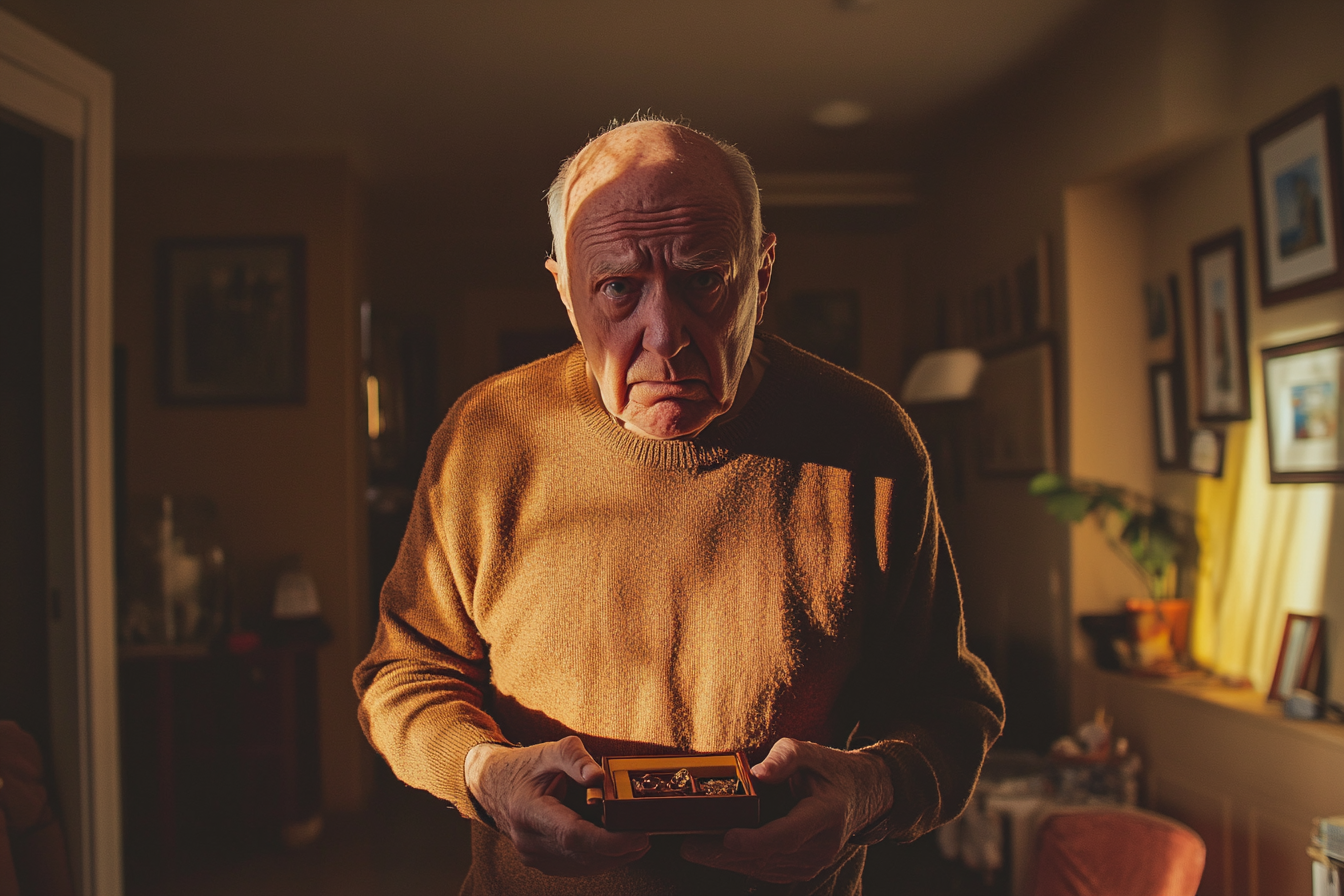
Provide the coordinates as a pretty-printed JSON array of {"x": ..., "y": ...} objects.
[{"x": 649, "y": 391}]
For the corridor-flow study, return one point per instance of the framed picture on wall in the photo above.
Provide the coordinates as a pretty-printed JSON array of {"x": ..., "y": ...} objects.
[
  {"x": 1295, "y": 173},
  {"x": 1162, "y": 313},
  {"x": 1017, "y": 411},
  {"x": 1166, "y": 389},
  {"x": 1303, "y": 409},
  {"x": 1221, "y": 367},
  {"x": 1206, "y": 452},
  {"x": 231, "y": 321}
]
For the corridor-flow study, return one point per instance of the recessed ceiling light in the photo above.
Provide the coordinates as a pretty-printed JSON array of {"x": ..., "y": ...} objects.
[{"x": 841, "y": 114}]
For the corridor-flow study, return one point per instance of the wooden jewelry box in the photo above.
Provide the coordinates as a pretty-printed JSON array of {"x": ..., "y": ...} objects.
[{"x": 677, "y": 794}]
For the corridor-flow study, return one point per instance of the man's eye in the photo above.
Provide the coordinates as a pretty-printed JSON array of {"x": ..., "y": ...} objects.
[
  {"x": 617, "y": 289},
  {"x": 705, "y": 280}
]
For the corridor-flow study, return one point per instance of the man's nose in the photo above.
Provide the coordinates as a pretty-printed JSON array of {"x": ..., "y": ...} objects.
[{"x": 665, "y": 313}]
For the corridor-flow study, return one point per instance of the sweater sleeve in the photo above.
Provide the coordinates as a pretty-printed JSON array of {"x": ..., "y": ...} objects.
[
  {"x": 422, "y": 687},
  {"x": 927, "y": 706}
]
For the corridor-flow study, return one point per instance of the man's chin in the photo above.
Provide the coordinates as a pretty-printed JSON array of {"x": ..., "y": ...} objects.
[{"x": 671, "y": 418}]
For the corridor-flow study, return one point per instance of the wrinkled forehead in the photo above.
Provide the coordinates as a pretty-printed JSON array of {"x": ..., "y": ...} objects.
[{"x": 652, "y": 181}]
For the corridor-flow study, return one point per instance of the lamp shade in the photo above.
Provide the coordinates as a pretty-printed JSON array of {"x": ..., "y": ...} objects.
[{"x": 947, "y": 374}]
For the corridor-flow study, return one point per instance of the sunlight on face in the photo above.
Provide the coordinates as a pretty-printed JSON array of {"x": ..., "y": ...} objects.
[{"x": 657, "y": 287}]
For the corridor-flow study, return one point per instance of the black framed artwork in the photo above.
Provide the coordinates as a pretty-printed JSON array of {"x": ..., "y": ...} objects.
[
  {"x": 1295, "y": 175},
  {"x": 1303, "y": 410},
  {"x": 1222, "y": 372},
  {"x": 1166, "y": 388},
  {"x": 231, "y": 320}
]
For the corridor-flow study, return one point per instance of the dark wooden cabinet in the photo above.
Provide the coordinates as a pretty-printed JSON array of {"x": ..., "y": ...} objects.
[{"x": 218, "y": 750}]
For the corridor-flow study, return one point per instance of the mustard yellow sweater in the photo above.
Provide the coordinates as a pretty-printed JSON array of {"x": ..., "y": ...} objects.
[{"x": 782, "y": 574}]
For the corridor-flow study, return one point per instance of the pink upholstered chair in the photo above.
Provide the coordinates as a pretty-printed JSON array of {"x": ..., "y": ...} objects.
[{"x": 1116, "y": 852}]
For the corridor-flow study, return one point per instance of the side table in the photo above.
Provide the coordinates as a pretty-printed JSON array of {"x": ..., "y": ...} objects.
[{"x": 217, "y": 748}]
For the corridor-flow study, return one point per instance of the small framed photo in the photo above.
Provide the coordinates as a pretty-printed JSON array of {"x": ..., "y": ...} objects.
[
  {"x": 1220, "y": 328},
  {"x": 1295, "y": 170},
  {"x": 1303, "y": 409},
  {"x": 1162, "y": 311},
  {"x": 231, "y": 321},
  {"x": 1206, "y": 452},
  {"x": 1299, "y": 663},
  {"x": 1166, "y": 388},
  {"x": 1017, "y": 411}
]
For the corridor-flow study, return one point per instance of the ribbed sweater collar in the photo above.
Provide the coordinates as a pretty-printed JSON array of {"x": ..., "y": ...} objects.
[{"x": 715, "y": 445}]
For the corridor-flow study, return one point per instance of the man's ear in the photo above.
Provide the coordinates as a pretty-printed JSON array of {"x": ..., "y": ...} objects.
[
  {"x": 763, "y": 274},
  {"x": 554, "y": 267}
]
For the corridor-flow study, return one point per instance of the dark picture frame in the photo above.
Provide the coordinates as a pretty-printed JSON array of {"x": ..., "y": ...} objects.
[
  {"x": 1295, "y": 178},
  {"x": 1222, "y": 372},
  {"x": 1166, "y": 392},
  {"x": 1303, "y": 410},
  {"x": 1016, "y": 392},
  {"x": 1163, "y": 320},
  {"x": 1300, "y": 655},
  {"x": 231, "y": 320}
]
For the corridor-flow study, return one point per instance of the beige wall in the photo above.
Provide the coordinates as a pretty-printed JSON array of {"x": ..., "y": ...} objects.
[
  {"x": 1110, "y": 434},
  {"x": 468, "y": 285},
  {"x": 874, "y": 265},
  {"x": 287, "y": 479}
]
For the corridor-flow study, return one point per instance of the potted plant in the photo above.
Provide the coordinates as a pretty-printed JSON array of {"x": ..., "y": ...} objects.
[{"x": 1149, "y": 536}]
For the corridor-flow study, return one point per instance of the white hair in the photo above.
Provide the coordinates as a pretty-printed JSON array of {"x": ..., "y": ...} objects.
[{"x": 739, "y": 170}]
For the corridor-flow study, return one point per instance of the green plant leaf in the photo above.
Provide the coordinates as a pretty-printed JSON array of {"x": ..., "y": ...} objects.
[
  {"x": 1070, "y": 507},
  {"x": 1046, "y": 483}
]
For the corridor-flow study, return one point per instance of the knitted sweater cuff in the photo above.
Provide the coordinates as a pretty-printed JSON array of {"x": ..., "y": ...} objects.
[
  {"x": 915, "y": 804},
  {"x": 456, "y": 743}
]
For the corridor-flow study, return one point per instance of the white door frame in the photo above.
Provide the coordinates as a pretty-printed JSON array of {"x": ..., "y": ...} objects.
[{"x": 48, "y": 84}]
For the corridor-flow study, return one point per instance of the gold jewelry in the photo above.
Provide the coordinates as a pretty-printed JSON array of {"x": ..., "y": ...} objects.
[{"x": 717, "y": 786}]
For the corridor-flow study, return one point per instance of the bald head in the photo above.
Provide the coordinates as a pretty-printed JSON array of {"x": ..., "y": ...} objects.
[
  {"x": 663, "y": 271},
  {"x": 680, "y": 152}
]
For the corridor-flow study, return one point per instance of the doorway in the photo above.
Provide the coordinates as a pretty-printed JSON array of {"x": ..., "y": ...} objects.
[{"x": 57, "y": 645}]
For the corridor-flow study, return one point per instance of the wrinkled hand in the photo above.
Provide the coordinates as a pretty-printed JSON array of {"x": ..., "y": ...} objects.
[
  {"x": 520, "y": 788},
  {"x": 840, "y": 793}
]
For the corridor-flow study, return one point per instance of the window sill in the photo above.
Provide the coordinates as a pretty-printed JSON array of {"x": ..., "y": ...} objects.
[{"x": 1250, "y": 705}]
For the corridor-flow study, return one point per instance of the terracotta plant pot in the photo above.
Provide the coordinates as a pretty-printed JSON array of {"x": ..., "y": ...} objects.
[
  {"x": 1150, "y": 632},
  {"x": 1176, "y": 614}
]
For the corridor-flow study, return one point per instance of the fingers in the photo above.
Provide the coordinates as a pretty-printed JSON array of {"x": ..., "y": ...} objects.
[
  {"x": 783, "y": 761},
  {"x": 569, "y": 756},
  {"x": 577, "y": 837},
  {"x": 784, "y": 835},
  {"x": 782, "y": 868}
]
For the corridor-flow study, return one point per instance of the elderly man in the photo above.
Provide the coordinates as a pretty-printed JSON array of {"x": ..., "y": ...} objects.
[{"x": 682, "y": 535}]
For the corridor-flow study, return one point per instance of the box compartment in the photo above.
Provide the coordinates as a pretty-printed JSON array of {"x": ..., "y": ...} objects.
[{"x": 626, "y": 808}]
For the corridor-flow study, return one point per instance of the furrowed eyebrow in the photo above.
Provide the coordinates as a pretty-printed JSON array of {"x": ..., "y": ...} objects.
[
  {"x": 699, "y": 261},
  {"x": 615, "y": 268}
]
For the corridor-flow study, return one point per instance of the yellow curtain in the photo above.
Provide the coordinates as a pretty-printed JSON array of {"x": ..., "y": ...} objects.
[{"x": 1262, "y": 555}]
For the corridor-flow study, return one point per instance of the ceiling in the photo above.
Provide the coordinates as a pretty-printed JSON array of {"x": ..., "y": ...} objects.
[{"x": 448, "y": 106}]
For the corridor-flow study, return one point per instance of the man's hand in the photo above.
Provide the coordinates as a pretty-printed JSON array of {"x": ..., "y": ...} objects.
[
  {"x": 840, "y": 793},
  {"x": 520, "y": 786}
]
